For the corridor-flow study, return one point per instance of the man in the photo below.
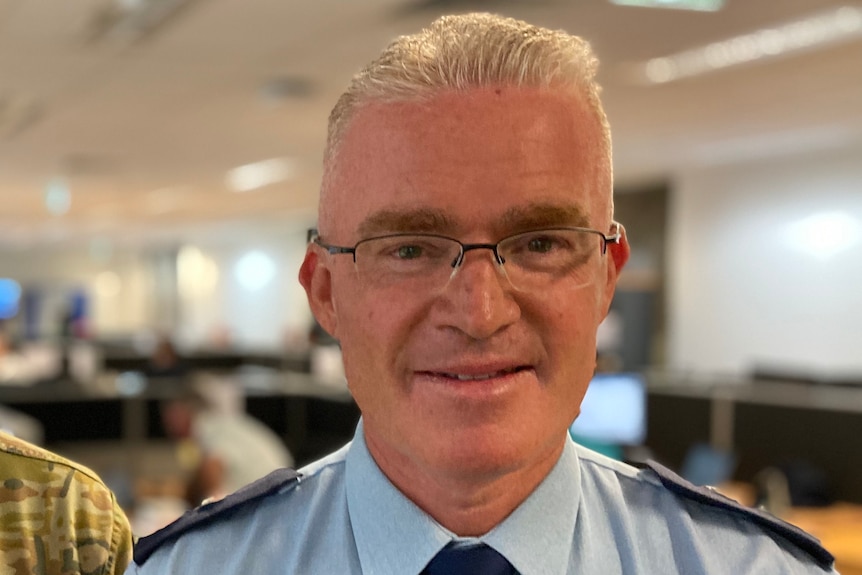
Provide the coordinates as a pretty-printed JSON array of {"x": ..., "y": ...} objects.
[
  {"x": 57, "y": 517},
  {"x": 465, "y": 256},
  {"x": 223, "y": 447}
]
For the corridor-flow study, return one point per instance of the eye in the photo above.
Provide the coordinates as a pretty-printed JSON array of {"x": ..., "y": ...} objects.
[
  {"x": 408, "y": 252},
  {"x": 540, "y": 244}
]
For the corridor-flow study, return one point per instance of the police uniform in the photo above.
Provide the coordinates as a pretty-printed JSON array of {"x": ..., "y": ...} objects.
[
  {"x": 590, "y": 516},
  {"x": 57, "y": 517}
]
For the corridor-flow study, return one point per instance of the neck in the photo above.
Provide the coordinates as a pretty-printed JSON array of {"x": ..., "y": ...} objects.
[{"x": 468, "y": 503}]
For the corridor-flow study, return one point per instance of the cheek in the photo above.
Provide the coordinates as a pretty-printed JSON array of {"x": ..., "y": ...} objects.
[
  {"x": 571, "y": 328},
  {"x": 373, "y": 328}
]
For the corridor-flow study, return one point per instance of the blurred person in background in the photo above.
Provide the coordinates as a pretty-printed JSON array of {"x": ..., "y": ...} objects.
[
  {"x": 164, "y": 360},
  {"x": 222, "y": 446},
  {"x": 465, "y": 257},
  {"x": 57, "y": 517}
]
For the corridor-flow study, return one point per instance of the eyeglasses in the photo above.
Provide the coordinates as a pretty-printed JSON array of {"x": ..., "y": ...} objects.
[{"x": 530, "y": 260}]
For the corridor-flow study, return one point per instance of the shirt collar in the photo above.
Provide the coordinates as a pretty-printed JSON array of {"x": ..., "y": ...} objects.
[
  {"x": 394, "y": 536},
  {"x": 537, "y": 537}
]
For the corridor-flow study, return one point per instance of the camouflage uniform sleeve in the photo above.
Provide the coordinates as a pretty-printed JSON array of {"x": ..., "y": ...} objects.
[
  {"x": 57, "y": 517},
  {"x": 121, "y": 543}
]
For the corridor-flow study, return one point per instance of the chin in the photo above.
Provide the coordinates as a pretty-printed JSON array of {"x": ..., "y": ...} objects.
[{"x": 484, "y": 453}]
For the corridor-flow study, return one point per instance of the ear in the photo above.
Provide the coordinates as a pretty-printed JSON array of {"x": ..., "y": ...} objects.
[
  {"x": 316, "y": 278},
  {"x": 617, "y": 256}
]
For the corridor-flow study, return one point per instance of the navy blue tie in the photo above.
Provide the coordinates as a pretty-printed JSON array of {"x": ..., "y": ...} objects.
[{"x": 469, "y": 560}]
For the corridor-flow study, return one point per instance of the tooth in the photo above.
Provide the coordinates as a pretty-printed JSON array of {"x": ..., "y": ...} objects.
[{"x": 474, "y": 377}]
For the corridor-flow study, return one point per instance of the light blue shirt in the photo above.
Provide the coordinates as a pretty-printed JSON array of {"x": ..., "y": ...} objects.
[{"x": 590, "y": 516}]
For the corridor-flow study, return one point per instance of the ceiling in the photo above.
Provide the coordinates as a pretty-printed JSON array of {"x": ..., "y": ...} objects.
[{"x": 140, "y": 114}]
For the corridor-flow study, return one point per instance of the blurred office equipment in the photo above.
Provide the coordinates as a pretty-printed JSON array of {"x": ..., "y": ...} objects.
[
  {"x": 764, "y": 424},
  {"x": 21, "y": 425},
  {"x": 613, "y": 414},
  {"x": 10, "y": 298},
  {"x": 707, "y": 465}
]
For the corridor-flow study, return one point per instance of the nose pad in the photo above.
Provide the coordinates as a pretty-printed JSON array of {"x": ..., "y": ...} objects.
[
  {"x": 479, "y": 303},
  {"x": 496, "y": 259}
]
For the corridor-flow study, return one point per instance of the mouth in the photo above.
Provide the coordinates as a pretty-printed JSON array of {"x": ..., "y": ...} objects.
[{"x": 476, "y": 376}]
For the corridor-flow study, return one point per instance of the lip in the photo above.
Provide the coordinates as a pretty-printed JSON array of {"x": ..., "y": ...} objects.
[
  {"x": 475, "y": 373},
  {"x": 476, "y": 382}
]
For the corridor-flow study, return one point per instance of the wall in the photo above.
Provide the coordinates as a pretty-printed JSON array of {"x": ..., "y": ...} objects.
[
  {"x": 742, "y": 292},
  {"x": 117, "y": 285},
  {"x": 222, "y": 296},
  {"x": 195, "y": 292}
]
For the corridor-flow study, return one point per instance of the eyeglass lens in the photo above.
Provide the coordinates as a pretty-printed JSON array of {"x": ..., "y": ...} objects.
[{"x": 531, "y": 260}]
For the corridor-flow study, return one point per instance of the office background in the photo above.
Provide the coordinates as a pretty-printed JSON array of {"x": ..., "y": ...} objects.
[{"x": 159, "y": 167}]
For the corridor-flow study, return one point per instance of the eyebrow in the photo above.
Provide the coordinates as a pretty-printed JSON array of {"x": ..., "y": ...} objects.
[
  {"x": 414, "y": 220},
  {"x": 426, "y": 220},
  {"x": 543, "y": 215}
]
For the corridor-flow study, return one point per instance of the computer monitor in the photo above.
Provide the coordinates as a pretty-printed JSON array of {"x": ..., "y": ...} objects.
[
  {"x": 10, "y": 298},
  {"x": 613, "y": 411}
]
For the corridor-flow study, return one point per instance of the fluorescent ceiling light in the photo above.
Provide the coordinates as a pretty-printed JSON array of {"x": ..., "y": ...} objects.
[
  {"x": 259, "y": 174},
  {"x": 822, "y": 29},
  {"x": 700, "y": 5}
]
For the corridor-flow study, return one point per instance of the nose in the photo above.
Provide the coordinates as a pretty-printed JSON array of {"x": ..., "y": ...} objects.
[{"x": 479, "y": 297}]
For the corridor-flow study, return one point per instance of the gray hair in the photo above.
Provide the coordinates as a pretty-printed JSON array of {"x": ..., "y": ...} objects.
[{"x": 471, "y": 51}]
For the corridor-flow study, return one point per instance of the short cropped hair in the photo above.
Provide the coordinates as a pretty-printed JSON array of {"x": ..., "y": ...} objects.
[{"x": 470, "y": 51}]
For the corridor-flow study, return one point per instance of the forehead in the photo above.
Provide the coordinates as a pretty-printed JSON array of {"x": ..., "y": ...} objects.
[{"x": 468, "y": 159}]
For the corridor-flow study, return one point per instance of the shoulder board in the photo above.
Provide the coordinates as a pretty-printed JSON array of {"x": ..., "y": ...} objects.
[
  {"x": 208, "y": 513},
  {"x": 709, "y": 496}
]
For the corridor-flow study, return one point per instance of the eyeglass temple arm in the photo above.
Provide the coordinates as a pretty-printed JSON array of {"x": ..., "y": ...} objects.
[{"x": 614, "y": 238}]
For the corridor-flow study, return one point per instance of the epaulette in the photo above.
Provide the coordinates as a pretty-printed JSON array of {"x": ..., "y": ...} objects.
[
  {"x": 208, "y": 513},
  {"x": 710, "y": 496}
]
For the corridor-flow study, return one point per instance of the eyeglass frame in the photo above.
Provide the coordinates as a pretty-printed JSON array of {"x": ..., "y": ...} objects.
[{"x": 313, "y": 236}]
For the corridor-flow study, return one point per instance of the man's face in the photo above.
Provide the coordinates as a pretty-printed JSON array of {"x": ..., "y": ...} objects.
[{"x": 472, "y": 377}]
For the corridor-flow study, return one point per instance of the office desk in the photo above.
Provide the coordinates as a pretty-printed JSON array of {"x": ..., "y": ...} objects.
[
  {"x": 763, "y": 423},
  {"x": 308, "y": 414},
  {"x": 838, "y": 526}
]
